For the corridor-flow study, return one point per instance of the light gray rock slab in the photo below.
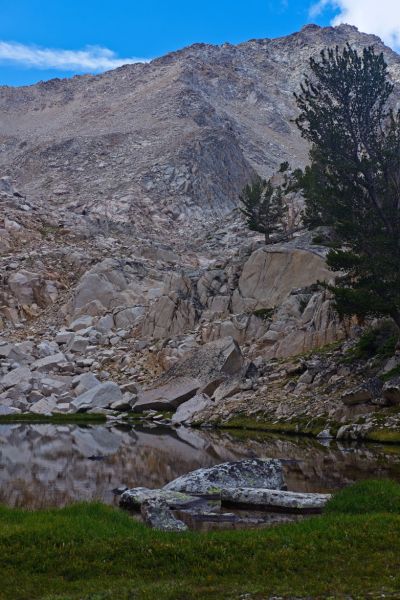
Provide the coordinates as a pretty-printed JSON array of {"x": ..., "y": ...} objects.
[
  {"x": 49, "y": 386},
  {"x": 187, "y": 411},
  {"x": 62, "y": 407},
  {"x": 129, "y": 317},
  {"x": 83, "y": 383},
  {"x": 100, "y": 396},
  {"x": 63, "y": 337},
  {"x": 78, "y": 343},
  {"x": 18, "y": 376},
  {"x": 45, "y": 406},
  {"x": 47, "y": 348},
  {"x": 48, "y": 362},
  {"x": 226, "y": 390},
  {"x": 82, "y": 322},
  {"x": 274, "y": 499},
  {"x": 125, "y": 404},
  {"x": 5, "y": 411},
  {"x": 167, "y": 396}
]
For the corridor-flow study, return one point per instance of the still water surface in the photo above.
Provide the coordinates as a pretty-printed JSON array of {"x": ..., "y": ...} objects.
[{"x": 53, "y": 465}]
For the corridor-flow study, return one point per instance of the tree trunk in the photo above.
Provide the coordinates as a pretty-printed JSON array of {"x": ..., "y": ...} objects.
[{"x": 267, "y": 238}]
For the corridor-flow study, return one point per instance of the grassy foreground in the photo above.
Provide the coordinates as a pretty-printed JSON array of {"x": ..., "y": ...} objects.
[{"x": 94, "y": 552}]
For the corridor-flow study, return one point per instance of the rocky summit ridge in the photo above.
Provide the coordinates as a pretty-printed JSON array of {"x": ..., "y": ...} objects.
[
  {"x": 157, "y": 144},
  {"x": 128, "y": 280}
]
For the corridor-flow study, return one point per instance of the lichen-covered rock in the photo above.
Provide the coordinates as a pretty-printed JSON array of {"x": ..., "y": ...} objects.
[
  {"x": 156, "y": 513},
  {"x": 134, "y": 498},
  {"x": 250, "y": 473}
]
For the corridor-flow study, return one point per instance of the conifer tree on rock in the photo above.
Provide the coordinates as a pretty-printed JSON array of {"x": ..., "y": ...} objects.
[
  {"x": 263, "y": 207},
  {"x": 353, "y": 181}
]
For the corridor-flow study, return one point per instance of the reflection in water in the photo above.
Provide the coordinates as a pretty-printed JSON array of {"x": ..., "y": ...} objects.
[{"x": 51, "y": 465}]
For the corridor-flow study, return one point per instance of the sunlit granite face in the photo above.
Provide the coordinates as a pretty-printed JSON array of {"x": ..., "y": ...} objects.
[{"x": 52, "y": 465}]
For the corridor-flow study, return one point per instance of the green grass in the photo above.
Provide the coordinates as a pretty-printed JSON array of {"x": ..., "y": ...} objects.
[
  {"x": 264, "y": 313},
  {"x": 383, "y": 436},
  {"x": 377, "y": 342},
  {"x": 94, "y": 552},
  {"x": 390, "y": 374},
  {"x": 307, "y": 427},
  {"x": 366, "y": 497},
  {"x": 57, "y": 419}
]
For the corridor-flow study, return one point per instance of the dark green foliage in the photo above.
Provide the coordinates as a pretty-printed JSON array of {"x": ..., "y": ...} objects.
[
  {"x": 318, "y": 239},
  {"x": 262, "y": 205},
  {"x": 283, "y": 167},
  {"x": 353, "y": 181},
  {"x": 264, "y": 313},
  {"x": 378, "y": 341},
  {"x": 371, "y": 496},
  {"x": 390, "y": 374}
]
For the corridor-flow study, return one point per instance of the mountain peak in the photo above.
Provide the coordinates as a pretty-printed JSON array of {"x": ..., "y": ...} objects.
[{"x": 173, "y": 140}]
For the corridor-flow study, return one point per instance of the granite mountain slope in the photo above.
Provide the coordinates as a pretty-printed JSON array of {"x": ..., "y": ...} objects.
[
  {"x": 157, "y": 144},
  {"x": 126, "y": 272}
]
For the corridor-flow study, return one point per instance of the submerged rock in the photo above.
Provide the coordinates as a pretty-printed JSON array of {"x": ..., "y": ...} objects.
[{"x": 250, "y": 473}]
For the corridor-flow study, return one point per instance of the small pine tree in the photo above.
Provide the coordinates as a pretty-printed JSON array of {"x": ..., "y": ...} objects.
[{"x": 263, "y": 207}]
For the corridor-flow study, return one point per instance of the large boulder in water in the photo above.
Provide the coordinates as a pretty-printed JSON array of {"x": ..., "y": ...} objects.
[{"x": 249, "y": 473}]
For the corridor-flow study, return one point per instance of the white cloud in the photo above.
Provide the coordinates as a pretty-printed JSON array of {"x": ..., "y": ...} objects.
[
  {"x": 381, "y": 17},
  {"x": 91, "y": 58}
]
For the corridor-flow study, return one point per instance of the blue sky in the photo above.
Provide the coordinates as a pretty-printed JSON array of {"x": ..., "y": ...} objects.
[{"x": 41, "y": 39}]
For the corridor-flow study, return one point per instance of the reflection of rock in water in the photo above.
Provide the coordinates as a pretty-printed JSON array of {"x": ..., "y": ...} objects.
[{"x": 44, "y": 465}]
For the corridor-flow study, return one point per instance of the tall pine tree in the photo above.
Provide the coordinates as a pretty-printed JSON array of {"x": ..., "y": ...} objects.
[{"x": 353, "y": 181}]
